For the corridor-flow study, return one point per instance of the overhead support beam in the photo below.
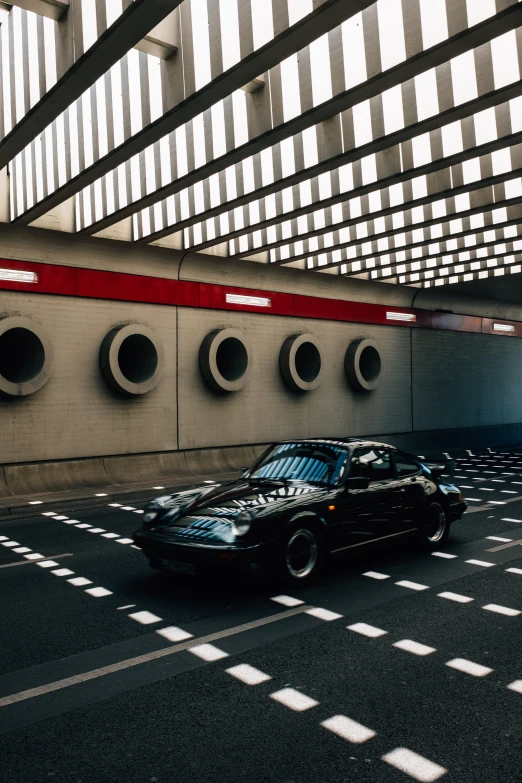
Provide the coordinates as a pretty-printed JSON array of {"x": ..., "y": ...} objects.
[
  {"x": 422, "y": 61},
  {"x": 163, "y": 40},
  {"x": 124, "y": 33},
  {"x": 52, "y": 9},
  {"x": 491, "y": 267},
  {"x": 327, "y": 14}
]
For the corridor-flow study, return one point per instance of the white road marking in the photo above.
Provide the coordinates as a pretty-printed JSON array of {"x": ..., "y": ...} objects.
[
  {"x": 63, "y": 572},
  {"x": 497, "y": 502},
  {"x": 485, "y": 489},
  {"x": 468, "y": 667},
  {"x": 145, "y": 618},
  {"x": 415, "y": 766},
  {"x": 287, "y": 600},
  {"x": 208, "y": 652},
  {"x": 464, "y": 486},
  {"x": 473, "y": 500},
  {"x": 323, "y": 614},
  {"x": 48, "y": 513},
  {"x": 514, "y": 570},
  {"x": 515, "y": 686},
  {"x": 411, "y": 585},
  {"x": 128, "y": 508},
  {"x": 10, "y": 543},
  {"x": 375, "y": 575},
  {"x": 507, "y": 519},
  {"x": 499, "y": 481},
  {"x": 248, "y": 674},
  {"x": 124, "y": 541},
  {"x": 80, "y": 581},
  {"x": 60, "y": 518},
  {"x": 139, "y": 511},
  {"x": 414, "y": 647},
  {"x": 444, "y": 554},
  {"x": 4, "y": 538},
  {"x": 110, "y": 535},
  {"x": 100, "y": 495},
  {"x": 508, "y": 491},
  {"x": 47, "y": 563},
  {"x": 294, "y": 700},
  {"x": 174, "y": 634},
  {"x": 20, "y": 550},
  {"x": 502, "y": 610},
  {"x": 348, "y": 729},
  {"x": 97, "y": 530},
  {"x": 98, "y": 592},
  {"x": 72, "y": 522},
  {"x": 460, "y": 599},
  {"x": 164, "y": 487},
  {"x": 367, "y": 630},
  {"x": 115, "y": 505},
  {"x": 480, "y": 563},
  {"x": 127, "y": 606},
  {"x": 497, "y": 538},
  {"x": 35, "y": 502},
  {"x": 34, "y": 556},
  {"x": 84, "y": 525}
]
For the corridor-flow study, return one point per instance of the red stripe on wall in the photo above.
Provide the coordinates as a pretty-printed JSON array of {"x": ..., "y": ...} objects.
[{"x": 123, "y": 287}]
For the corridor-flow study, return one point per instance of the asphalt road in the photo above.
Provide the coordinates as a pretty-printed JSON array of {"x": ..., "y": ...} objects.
[{"x": 396, "y": 666}]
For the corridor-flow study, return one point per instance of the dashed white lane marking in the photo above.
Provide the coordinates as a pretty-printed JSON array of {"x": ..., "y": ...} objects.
[
  {"x": 145, "y": 618},
  {"x": 460, "y": 599},
  {"x": 446, "y": 555},
  {"x": 97, "y": 530},
  {"x": 294, "y": 700},
  {"x": 164, "y": 487},
  {"x": 323, "y": 614},
  {"x": 514, "y": 570},
  {"x": 348, "y": 729},
  {"x": 502, "y": 610},
  {"x": 507, "y": 519},
  {"x": 468, "y": 667},
  {"x": 509, "y": 491},
  {"x": 98, "y": 592},
  {"x": 34, "y": 556},
  {"x": 80, "y": 581},
  {"x": 84, "y": 525},
  {"x": 485, "y": 489},
  {"x": 480, "y": 563},
  {"x": 4, "y": 538},
  {"x": 497, "y": 502},
  {"x": 124, "y": 541},
  {"x": 415, "y": 766},
  {"x": 47, "y": 563},
  {"x": 139, "y": 511},
  {"x": 128, "y": 508},
  {"x": 414, "y": 647},
  {"x": 10, "y": 543},
  {"x": 60, "y": 518},
  {"x": 115, "y": 505},
  {"x": 35, "y": 502},
  {"x": 497, "y": 538},
  {"x": 474, "y": 500},
  {"x": 287, "y": 600},
  {"x": 207, "y": 652},
  {"x": 248, "y": 674},
  {"x": 110, "y": 535},
  {"x": 72, "y": 522},
  {"x": 174, "y": 634},
  {"x": 411, "y": 585},
  {"x": 21, "y": 550},
  {"x": 127, "y": 606},
  {"x": 376, "y": 575},
  {"x": 367, "y": 630},
  {"x": 100, "y": 495},
  {"x": 48, "y": 513},
  {"x": 63, "y": 572},
  {"x": 515, "y": 686}
]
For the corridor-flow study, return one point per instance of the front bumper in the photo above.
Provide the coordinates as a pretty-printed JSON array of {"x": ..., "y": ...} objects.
[
  {"x": 165, "y": 554},
  {"x": 456, "y": 510}
]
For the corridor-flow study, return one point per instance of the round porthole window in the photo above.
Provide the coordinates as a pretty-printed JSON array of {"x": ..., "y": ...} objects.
[
  {"x": 363, "y": 365},
  {"x": 224, "y": 360},
  {"x": 26, "y": 356},
  {"x": 301, "y": 362},
  {"x": 131, "y": 359}
]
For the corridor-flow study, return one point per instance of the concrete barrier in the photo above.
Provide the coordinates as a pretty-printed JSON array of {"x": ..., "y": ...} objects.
[
  {"x": 43, "y": 477},
  {"x": 226, "y": 460},
  {"x": 260, "y": 449},
  {"x": 4, "y": 489},
  {"x": 156, "y": 468}
]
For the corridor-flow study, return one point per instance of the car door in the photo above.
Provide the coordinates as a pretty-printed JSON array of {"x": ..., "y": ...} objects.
[
  {"x": 374, "y": 512},
  {"x": 410, "y": 482}
]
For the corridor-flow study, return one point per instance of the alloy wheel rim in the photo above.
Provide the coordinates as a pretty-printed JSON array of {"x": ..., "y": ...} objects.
[
  {"x": 301, "y": 553},
  {"x": 436, "y": 526}
]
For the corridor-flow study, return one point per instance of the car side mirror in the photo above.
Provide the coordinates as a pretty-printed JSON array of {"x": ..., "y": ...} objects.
[
  {"x": 243, "y": 472},
  {"x": 357, "y": 482}
]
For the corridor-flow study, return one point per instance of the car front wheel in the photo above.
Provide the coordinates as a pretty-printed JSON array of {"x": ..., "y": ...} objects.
[
  {"x": 435, "y": 527},
  {"x": 302, "y": 555}
]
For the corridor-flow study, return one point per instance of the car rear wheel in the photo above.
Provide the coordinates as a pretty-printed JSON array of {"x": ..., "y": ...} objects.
[
  {"x": 435, "y": 527},
  {"x": 302, "y": 554}
]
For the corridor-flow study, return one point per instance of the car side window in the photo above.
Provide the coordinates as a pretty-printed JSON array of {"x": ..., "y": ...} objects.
[
  {"x": 405, "y": 466},
  {"x": 373, "y": 464}
]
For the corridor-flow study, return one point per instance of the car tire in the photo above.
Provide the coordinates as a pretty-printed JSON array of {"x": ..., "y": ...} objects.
[
  {"x": 302, "y": 554},
  {"x": 434, "y": 528}
]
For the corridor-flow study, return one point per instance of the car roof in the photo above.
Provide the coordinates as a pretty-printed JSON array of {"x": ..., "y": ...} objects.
[{"x": 352, "y": 442}]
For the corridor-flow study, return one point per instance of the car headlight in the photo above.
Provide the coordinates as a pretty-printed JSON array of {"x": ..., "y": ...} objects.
[
  {"x": 241, "y": 524},
  {"x": 149, "y": 516}
]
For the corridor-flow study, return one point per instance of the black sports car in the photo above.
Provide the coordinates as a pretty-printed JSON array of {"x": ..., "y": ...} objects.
[{"x": 298, "y": 503}]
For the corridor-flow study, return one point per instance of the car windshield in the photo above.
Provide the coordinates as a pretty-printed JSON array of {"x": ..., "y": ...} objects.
[{"x": 315, "y": 463}]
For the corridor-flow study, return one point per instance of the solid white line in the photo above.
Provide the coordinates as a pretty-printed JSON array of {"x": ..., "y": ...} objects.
[
  {"x": 98, "y": 592},
  {"x": 127, "y": 606},
  {"x": 348, "y": 729},
  {"x": 514, "y": 570},
  {"x": 375, "y": 575},
  {"x": 145, "y": 618},
  {"x": 248, "y": 674},
  {"x": 444, "y": 554},
  {"x": 468, "y": 667},
  {"x": 507, "y": 519},
  {"x": 287, "y": 600},
  {"x": 30, "y": 562},
  {"x": 411, "y": 585},
  {"x": 208, "y": 652},
  {"x": 502, "y": 610},
  {"x": 515, "y": 686},
  {"x": 323, "y": 614},
  {"x": 174, "y": 634},
  {"x": 460, "y": 599},
  {"x": 480, "y": 563},
  {"x": 415, "y": 766},
  {"x": 408, "y": 645},
  {"x": 294, "y": 700},
  {"x": 366, "y": 630}
]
